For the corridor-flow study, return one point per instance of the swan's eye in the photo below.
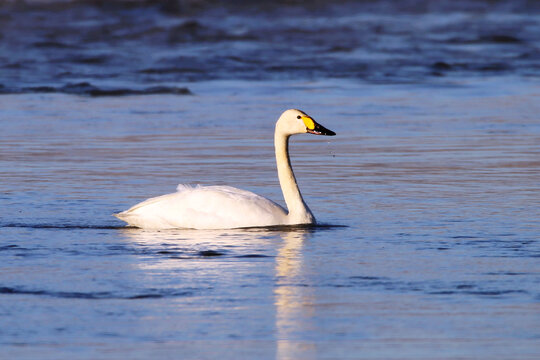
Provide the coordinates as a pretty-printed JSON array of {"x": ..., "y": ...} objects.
[{"x": 298, "y": 117}]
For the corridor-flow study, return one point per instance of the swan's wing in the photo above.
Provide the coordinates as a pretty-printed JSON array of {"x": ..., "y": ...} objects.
[{"x": 209, "y": 207}]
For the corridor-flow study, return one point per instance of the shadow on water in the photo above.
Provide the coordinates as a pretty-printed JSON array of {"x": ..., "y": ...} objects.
[
  {"x": 61, "y": 226},
  {"x": 283, "y": 228}
]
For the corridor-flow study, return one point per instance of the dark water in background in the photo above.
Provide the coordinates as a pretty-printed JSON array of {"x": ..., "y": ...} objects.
[
  {"x": 429, "y": 193},
  {"x": 93, "y": 47}
]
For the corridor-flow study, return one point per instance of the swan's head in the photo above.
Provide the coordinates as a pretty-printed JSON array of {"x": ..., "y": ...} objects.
[{"x": 298, "y": 122}]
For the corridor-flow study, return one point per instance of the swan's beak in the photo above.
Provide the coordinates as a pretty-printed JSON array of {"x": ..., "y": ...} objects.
[{"x": 313, "y": 127}]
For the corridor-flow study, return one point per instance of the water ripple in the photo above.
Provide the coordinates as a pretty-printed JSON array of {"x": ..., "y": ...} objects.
[{"x": 98, "y": 295}]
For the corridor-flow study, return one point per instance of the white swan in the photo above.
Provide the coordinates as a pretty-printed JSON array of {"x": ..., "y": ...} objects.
[{"x": 225, "y": 207}]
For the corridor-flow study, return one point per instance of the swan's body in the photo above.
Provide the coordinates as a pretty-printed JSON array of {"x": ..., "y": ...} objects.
[
  {"x": 225, "y": 207},
  {"x": 205, "y": 207}
]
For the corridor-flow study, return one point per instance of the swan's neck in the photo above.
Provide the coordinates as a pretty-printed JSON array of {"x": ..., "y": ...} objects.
[{"x": 299, "y": 213}]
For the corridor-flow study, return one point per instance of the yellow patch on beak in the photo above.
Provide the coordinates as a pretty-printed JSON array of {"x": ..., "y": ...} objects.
[{"x": 310, "y": 124}]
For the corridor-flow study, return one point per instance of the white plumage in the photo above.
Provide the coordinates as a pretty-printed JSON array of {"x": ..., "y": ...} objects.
[
  {"x": 204, "y": 207},
  {"x": 226, "y": 207}
]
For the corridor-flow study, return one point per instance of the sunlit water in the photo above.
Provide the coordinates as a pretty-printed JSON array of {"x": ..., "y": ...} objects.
[{"x": 428, "y": 199}]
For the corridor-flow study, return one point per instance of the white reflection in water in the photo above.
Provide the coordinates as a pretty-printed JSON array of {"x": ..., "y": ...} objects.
[{"x": 293, "y": 301}]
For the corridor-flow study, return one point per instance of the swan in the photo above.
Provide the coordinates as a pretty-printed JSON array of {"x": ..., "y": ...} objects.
[{"x": 226, "y": 207}]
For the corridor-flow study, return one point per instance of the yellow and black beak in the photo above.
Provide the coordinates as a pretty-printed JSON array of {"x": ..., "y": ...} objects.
[{"x": 313, "y": 127}]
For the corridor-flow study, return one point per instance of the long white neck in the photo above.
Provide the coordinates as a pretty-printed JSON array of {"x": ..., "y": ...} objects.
[{"x": 299, "y": 212}]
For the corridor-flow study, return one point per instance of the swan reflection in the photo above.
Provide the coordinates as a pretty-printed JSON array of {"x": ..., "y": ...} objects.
[{"x": 293, "y": 300}]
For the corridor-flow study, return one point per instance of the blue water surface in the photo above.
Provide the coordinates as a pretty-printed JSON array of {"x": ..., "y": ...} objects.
[{"x": 427, "y": 199}]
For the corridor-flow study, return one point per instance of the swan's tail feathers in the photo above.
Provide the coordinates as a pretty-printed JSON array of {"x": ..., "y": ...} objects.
[
  {"x": 128, "y": 217},
  {"x": 121, "y": 215},
  {"x": 145, "y": 220}
]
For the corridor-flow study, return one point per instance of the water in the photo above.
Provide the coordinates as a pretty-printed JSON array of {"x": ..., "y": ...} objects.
[
  {"x": 427, "y": 197},
  {"x": 99, "y": 48}
]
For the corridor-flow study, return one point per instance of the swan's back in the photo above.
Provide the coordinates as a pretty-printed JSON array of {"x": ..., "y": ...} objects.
[{"x": 205, "y": 207}]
